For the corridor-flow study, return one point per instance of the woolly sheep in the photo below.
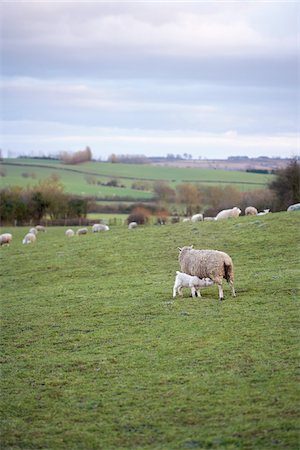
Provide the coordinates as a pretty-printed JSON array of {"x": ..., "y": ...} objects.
[
  {"x": 81, "y": 231},
  {"x": 69, "y": 232},
  {"x": 211, "y": 264},
  {"x": 29, "y": 238},
  {"x": 227, "y": 213},
  {"x": 250, "y": 211},
  {"x": 5, "y": 239},
  {"x": 40, "y": 228},
  {"x": 197, "y": 218},
  {"x": 99, "y": 227},
  {"x": 295, "y": 207},
  {"x": 193, "y": 282},
  {"x": 264, "y": 212},
  {"x": 132, "y": 225}
]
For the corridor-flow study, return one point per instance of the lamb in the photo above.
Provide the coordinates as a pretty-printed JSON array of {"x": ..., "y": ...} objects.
[
  {"x": 250, "y": 211},
  {"x": 69, "y": 232},
  {"x": 193, "y": 282},
  {"x": 99, "y": 227},
  {"x": 197, "y": 218},
  {"x": 40, "y": 228},
  {"x": 5, "y": 239},
  {"x": 211, "y": 264},
  {"x": 81, "y": 231},
  {"x": 186, "y": 219},
  {"x": 132, "y": 225},
  {"x": 227, "y": 213},
  {"x": 29, "y": 238},
  {"x": 264, "y": 212}
]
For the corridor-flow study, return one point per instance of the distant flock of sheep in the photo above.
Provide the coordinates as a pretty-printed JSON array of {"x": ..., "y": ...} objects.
[{"x": 199, "y": 268}]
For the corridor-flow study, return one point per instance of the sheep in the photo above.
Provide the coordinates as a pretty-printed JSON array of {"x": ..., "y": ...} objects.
[
  {"x": 69, "y": 232},
  {"x": 227, "y": 213},
  {"x": 81, "y": 231},
  {"x": 33, "y": 231},
  {"x": 186, "y": 219},
  {"x": 250, "y": 211},
  {"x": 29, "y": 238},
  {"x": 40, "y": 228},
  {"x": 264, "y": 212},
  {"x": 132, "y": 225},
  {"x": 99, "y": 227},
  {"x": 211, "y": 264},
  {"x": 5, "y": 239},
  {"x": 197, "y": 218},
  {"x": 295, "y": 207},
  {"x": 193, "y": 282}
]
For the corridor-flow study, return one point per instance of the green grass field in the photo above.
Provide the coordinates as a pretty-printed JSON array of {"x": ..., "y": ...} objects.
[
  {"x": 97, "y": 354},
  {"x": 74, "y": 177}
]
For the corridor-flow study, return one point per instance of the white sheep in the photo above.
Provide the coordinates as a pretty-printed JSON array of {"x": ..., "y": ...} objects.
[
  {"x": 40, "y": 228},
  {"x": 211, "y": 264},
  {"x": 29, "y": 238},
  {"x": 81, "y": 231},
  {"x": 69, "y": 232},
  {"x": 99, "y": 227},
  {"x": 194, "y": 283},
  {"x": 227, "y": 213},
  {"x": 197, "y": 218},
  {"x": 5, "y": 239},
  {"x": 250, "y": 211},
  {"x": 132, "y": 225},
  {"x": 186, "y": 219},
  {"x": 264, "y": 212},
  {"x": 295, "y": 207}
]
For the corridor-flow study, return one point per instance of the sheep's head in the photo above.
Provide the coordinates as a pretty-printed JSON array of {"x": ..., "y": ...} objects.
[
  {"x": 237, "y": 210},
  {"x": 185, "y": 248}
]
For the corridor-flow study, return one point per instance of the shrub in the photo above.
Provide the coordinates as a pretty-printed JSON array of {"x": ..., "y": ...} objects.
[{"x": 139, "y": 215}]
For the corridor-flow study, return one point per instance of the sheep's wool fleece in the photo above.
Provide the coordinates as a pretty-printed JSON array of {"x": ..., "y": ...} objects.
[{"x": 205, "y": 263}]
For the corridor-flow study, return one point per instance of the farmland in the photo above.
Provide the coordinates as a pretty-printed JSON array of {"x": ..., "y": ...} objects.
[
  {"x": 97, "y": 354},
  {"x": 82, "y": 179}
]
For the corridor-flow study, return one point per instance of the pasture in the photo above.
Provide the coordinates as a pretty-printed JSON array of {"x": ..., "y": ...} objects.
[
  {"x": 98, "y": 355},
  {"x": 75, "y": 178}
]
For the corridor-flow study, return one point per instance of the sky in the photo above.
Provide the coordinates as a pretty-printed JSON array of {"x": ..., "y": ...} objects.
[{"x": 209, "y": 79}]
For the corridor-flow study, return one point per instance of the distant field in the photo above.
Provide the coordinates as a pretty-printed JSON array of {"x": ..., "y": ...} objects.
[
  {"x": 74, "y": 177},
  {"x": 96, "y": 354}
]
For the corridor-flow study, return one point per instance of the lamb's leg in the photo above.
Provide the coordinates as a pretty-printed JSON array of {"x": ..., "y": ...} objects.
[
  {"x": 180, "y": 291},
  {"x": 198, "y": 293},
  {"x": 221, "y": 295},
  {"x": 232, "y": 288},
  {"x": 174, "y": 291},
  {"x": 193, "y": 291}
]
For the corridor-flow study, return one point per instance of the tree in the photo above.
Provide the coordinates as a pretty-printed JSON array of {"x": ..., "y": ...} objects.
[
  {"x": 189, "y": 195},
  {"x": 286, "y": 185}
]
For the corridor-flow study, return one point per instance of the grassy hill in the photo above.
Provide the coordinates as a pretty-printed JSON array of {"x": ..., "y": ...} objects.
[
  {"x": 75, "y": 178},
  {"x": 97, "y": 354}
]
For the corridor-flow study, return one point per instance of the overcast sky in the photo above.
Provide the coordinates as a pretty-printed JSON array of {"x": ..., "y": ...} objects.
[{"x": 211, "y": 79}]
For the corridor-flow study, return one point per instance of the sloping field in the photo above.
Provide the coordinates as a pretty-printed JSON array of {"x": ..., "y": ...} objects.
[
  {"x": 98, "y": 355},
  {"x": 74, "y": 177}
]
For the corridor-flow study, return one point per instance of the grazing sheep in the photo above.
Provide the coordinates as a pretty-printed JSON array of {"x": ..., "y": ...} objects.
[
  {"x": 33, "y": 231},
  {"x": 69, "y": 232},
  {"x": 186, "y": 219},
  {"x": 5, "y": 239},
  {"x": 227, "y": 213},
  {"x": 250, "y": 211},
  {"x": 29, "y": 238},
  {"x": 211, "y": 264},
  {"x": 192, "y": 282},
  {"x": 99, "y": 227},
  {"x": 132, "y": 225},
  {"x": 197, "y": 218},
  {"x": 40, "y": 228},
  {"x": 81, "y": 231},
  {"x": 264, "y": 212},
  {"x": 295, "y": 207}
]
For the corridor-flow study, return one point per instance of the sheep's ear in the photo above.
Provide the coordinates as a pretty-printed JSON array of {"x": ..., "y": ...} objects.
[{"x": 179, "y": 248}]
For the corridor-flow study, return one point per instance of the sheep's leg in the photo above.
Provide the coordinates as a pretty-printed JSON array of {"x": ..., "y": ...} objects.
[
  {"x": 198, "y": 293},
  {"x": 221, "y": 294},
  {"x": 232, "y": 288},
  {"x": 174, "y": 291},
  {"x": 180, "y": 291},
  {"x": 193, "y": 291}
]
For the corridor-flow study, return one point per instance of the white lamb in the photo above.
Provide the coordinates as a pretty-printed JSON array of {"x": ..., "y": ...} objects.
[
  {"x": 29, "y": 238},
  {"x": 99, "y": 227},
  {"x": 264, "y": 212},
  {"x": 69, "y": 232},
  {"x": 197, "y": 218},
  {"x": 5, "y": 239},
  {"x": 228, "y": 213},
  {"x": 194, "y": 283},
  {"x": 132, "y": 225}
]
